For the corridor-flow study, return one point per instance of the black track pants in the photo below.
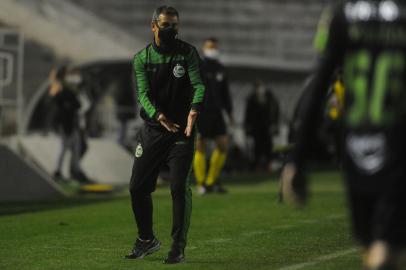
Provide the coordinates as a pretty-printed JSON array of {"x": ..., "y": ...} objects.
[{"x": 157, "y": 148}]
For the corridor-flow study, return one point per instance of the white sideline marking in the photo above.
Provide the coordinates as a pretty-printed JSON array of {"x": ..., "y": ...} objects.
[
  {"x": 333, "y": 217},
  {"x": 253, "y": 233},
  {"x": 283, "y": 227},
  {"x": 271, "y": 229},
  {"x": 319, "y": 260},
  {"x": 218, "y": 240},
  {"x": 80, "y": 248},
  {"x": 310, "y": 221}
]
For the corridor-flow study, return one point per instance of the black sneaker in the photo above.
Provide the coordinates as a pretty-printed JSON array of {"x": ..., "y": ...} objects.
[
  {"x": 174, "y": 257},
  {"x": 143, "y": 248}
]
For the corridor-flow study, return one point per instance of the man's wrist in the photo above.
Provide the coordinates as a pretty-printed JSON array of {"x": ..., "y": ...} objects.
[
  {"x": 196, "y": 107},
  {"x": 156, "y": 115}
]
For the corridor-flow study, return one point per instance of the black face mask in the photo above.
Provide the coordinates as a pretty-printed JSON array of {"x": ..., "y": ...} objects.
[{"x": 167, "y": 36}]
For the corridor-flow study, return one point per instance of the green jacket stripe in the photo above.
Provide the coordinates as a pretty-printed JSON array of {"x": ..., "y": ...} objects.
[
  {"x": 143, "y": 86},
  {"x": 195, "y": 78}
]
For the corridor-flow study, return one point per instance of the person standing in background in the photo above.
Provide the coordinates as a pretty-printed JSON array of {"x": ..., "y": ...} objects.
[
  {"x": 211, "y": 124},
  {"x": 63, "y": 90},
  {"x": 261, "y": 122}
]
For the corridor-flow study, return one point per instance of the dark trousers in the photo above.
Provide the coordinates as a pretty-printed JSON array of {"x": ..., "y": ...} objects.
[
  {"x": 155, "y": 149},
  {"x": 377, "y": 207},
  {"x": 262, "y": 147}
]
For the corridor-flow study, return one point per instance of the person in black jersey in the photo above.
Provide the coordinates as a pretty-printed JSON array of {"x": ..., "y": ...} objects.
[
  {"x": 211, "y": 124},
  {"x": 170, "y": 91},
  {"x": 367, "y": 39}
]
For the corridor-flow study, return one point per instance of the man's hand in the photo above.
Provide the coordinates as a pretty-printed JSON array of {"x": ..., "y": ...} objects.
[
  {"x": 55, "y": 88},
  {"x": 55, "y": 84},
  {"x": 294, "y": 188},
  {"x": 168, "y": 124},
  {"x": 190, "y": 122}
]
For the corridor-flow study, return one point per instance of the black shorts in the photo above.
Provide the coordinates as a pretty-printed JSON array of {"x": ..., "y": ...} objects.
[
  {"x": 378, "y": 216},
  {"x": 210, "y": 127}
]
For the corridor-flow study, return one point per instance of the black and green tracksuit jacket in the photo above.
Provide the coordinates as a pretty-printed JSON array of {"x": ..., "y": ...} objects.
[{"x": 168, "y": 82}]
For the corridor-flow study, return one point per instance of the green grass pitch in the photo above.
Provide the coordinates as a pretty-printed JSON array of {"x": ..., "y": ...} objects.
[{"x": 245, "y": 229}]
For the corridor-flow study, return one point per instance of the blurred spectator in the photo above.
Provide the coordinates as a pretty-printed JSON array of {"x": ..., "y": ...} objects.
[
  {"x": 64, "y": 90},
  {"x": 211, "y": 124},
  {"x": 261, "y": 123},
  {"x": 85, "y": 105},
  {"x": 125, "y": 106}
]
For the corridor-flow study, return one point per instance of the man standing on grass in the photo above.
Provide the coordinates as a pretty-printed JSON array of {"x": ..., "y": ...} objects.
[
  {"x": 367, "y": 39},
  {"x": 211, "y": 124},
  {"x": 170, "y": 91}
]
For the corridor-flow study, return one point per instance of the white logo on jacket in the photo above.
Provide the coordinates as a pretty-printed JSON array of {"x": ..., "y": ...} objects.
[
  {"x": 138, "y": 151},
  {"x": 179, "y": 71}
]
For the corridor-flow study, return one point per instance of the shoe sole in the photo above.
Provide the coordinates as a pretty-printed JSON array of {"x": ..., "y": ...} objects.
[{"x": 149, "y": 252}]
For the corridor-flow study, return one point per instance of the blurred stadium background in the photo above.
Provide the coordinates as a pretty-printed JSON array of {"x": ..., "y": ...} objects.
[
  {"x": 270, "y": 40},
  {"x": 267, "y": 40}
]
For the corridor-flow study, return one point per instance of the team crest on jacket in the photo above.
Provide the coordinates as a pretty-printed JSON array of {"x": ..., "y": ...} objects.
[
  {"x": 138, "y": 151},
  {"x": 179, "y": 71}
]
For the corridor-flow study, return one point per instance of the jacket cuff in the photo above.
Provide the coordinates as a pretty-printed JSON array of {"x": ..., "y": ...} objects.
[
  {"x": 196, "y": 106},
  {"x": 156, "y": 114}
]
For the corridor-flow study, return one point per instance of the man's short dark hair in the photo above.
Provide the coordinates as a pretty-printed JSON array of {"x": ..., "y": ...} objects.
[{"x": 169, "y": 11}]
